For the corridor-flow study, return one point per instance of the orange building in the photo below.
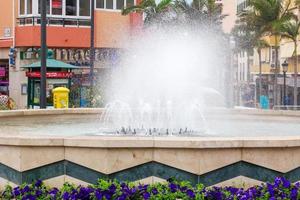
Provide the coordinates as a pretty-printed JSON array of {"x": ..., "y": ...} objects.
[{"x": 68, "y": 35}]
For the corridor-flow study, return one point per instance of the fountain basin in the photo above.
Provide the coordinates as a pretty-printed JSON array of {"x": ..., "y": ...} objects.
[{"x": 29, "y": 152}]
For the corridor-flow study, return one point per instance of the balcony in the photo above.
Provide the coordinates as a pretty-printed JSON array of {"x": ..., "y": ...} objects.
[
  {"x": 54, "y": 21},
  {"x": 61, "y": 32}
]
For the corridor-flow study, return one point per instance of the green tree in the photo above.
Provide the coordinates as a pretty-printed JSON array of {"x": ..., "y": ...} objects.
[
  {"x": 200, "y": 12},
  {"x": 259, "y": 45},
  {"x": 153, "y": 12},
  {"x": 269, "y": 15}
]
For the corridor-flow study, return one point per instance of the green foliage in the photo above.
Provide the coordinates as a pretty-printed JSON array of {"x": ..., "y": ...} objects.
[{"x": 180, "y": 12}]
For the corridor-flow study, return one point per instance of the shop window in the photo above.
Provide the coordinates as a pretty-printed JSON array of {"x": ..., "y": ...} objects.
[
  {"x": 71, "y": 7},
  {"x": 56, "y": 7},
  {"x": 84, "y": 6}
]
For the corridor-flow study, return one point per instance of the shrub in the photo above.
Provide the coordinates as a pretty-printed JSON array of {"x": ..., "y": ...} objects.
[{"x": 172, "y": 190}]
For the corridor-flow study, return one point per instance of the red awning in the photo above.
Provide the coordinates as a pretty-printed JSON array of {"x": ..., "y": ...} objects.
[{"x": 6, "y": 43}]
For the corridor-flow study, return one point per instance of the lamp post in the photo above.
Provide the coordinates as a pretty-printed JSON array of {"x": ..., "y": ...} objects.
[
  {"x": 43, "y": 100},
  {"x": 285, "y": 66},
  {"x": 92, "y": 49}
]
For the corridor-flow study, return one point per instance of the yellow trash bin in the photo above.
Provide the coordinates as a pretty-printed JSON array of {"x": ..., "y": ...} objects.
[{"x": 61, "y": 97}]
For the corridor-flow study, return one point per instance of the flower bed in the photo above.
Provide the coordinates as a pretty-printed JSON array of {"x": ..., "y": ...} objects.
[{"x": 106, "y": 190}]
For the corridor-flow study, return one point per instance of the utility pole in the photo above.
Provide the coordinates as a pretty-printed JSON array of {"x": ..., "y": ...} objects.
[
  {"x": 92, "y": 48},
  {"x": 43, "y": 100}
]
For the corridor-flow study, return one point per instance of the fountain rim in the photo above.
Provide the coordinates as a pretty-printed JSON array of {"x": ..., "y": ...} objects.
[
  {"x": 146, "y": 142},
  {"x": 36, "y": 112}
]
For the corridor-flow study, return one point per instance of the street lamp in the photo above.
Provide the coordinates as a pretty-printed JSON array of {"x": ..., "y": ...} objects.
[
  {"x": 43, "y": 100},
  {"x": 285, "y": 66}
]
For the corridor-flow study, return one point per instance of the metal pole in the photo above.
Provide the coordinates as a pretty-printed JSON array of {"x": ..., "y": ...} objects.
[
  {"x": 284, "y": 90},
  {"x": 275, "y": 89},
  {"x": 43, "y": 100},
  {"x": 260, "y": 77},
  {"x": 92, "y": 48}
]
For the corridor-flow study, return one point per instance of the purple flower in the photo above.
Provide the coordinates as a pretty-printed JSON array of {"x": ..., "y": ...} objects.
[
  {"x": 16, "y": 192},
  {"x": 98, "y": 195},
  {"x": 29, "y": 197},
  {"x": 66, "y": 196},
  {"x": 122, "y": 197},
  {"x": 53, "y": 192},
  {"x": 173, "y": 187},
  {"x": 190, "y": 193},
  {"x": 38, "y": 193},
  {"x": 38, "y": 183},
  {"x": 294, "y": 194},
  {"x": 154, "y": 191},
  {"x": 277, "y": 181},
  {"x": 26, "y": 189},
  {"x": 286, "y": 183},
  {"x": 107, "y": 196},
  {"x": 146, "y": 195},
  {"x": 112, "y": 188}
]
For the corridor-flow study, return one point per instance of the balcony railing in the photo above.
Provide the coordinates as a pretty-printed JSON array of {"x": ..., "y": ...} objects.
[{"x": 55, "y": 21}]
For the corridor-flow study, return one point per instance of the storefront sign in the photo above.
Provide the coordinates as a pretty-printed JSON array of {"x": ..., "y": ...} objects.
[
  {"x": 2, "y": 72},
  {"x": 50, "y": 74}
]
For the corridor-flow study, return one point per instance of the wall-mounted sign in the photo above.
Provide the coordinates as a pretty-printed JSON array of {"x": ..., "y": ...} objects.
[
  {"x": 24, "y": 89},
  {"x": 12, "y": 57},
  {"x": 50, "y": 74},
  {"x": 7, "y": 32}
]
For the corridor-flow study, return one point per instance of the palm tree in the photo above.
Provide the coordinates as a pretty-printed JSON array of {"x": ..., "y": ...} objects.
[
  {"x": 153, "y": 11},
  {"x": 291, "y": 31},
  {"x": 200, "y": 12},
  {"x": 259, "y": 45},
  {"x": 269, "y": 15}
]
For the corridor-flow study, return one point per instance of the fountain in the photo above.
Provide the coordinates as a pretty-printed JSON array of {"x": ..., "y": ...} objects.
[
  {"x": 165, "y": 117},
  {"x": 164, "y": 82}
]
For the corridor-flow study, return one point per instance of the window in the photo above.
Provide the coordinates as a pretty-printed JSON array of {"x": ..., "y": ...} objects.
[
  {"x": 100, "y": 4},
  {"x": 71, "y": 7},
  {"x": 22, "y": 7},
  {"x": 56, "y": 7},
  {"x": 129, "y": 3},
  {"x": 113, "y": 4},
  {"x": 120, "y": 4},
  {"x": 109, "y": 4},
  {"x": 84, "y": 6},
  {"x": 29, "y": 7},
  {"x": 25, "y": 7},
  {"x": 48, "y": 6}
]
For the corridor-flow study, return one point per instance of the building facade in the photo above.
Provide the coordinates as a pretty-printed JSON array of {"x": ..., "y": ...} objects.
[{"x": 68, "y": 35}]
